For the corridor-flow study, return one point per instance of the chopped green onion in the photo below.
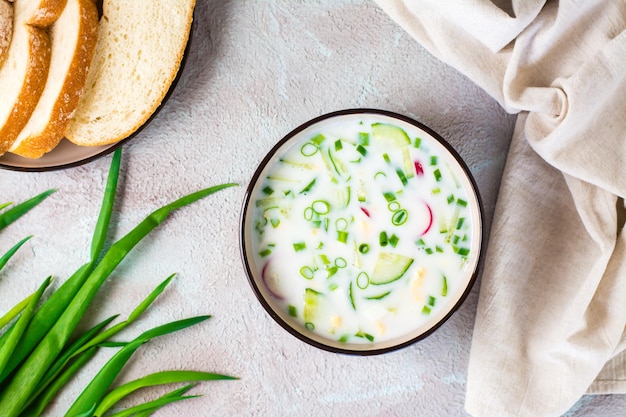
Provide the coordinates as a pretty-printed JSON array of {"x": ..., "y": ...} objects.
[
  {"x": 338, "y": 145},
  {"x": 309, "y": 325},
  {"x": 417, "y": 142},
  {"x": 351, "y": 295},
  {"x": 275, "y": 222},
  {"x": 399, "y": 217},
  {"x": 309, "y": 213},
  {"x": 426, "y": 310},
  {"x": 433, "y": 160},
  {"x": 389, "y": 196},
  {"x": 364, "y": 335},
  {"x": 332, "y": 270},
  {"x": 318, "y": 139},
  {"x": 307, "y": 272},
  {"x": 444, "y": 288},
  {"x": 265, "y": 252},
  {"x": 293, "y": 311},
  {"x": 299, "y": 246},
  {"x": 393, "y": 206},
  {"x": 364, "y": 248},
  {"x": 382, "y": 239},
  {"x": 360, "y": 149},
  {"x": 342, "y": 236},
  {"x": 429, "y": 251},
  {"x": 420, "y": 242},
  {"x": 344, "y": 338},
  {"x": 437, "y": 174},
  {"x": 436, "y": 190},
  {"x": 336, "y": 164},
  {"x": 402, "y": 177},
  {"x": 461, "y": 202},
  {"x": 459, "y": 223},
  {"x": 308, "y": 187},
  {"x": 320, "y": 207},
  {"x": 341, "y": 262},
  {"x": 324, "y": 259},
  {"x": 451, "y": 199},
  {"x": 268, "y": 190},
  {"x": 382, "y": 174},
  {"x": 431, "y": 300},
  {"x": 462, "y": 251},
  {"x": 386, "y": 158},
  {"x": 362, "y": 280},
  {"x": 341, "y": 224},
  {"x": 393, "y": 240},
  {"x": 439, "y": 249},
  {"x": 364, "y": 138}
]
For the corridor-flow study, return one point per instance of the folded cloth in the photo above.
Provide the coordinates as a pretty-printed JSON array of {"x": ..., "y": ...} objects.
[{"x": 550, "y": 323}]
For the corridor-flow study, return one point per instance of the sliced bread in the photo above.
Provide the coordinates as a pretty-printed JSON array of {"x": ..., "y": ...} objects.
[
  {"x": 138, "y": 54},
  {"x": 23, "y": 75},
  {"x": 6, "y": 28},
  {"x": 73, "y": 39}
]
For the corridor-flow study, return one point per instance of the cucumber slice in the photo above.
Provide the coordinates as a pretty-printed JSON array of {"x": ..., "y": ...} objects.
[
  {"x": 389, "y": 267},
  {"x": 390, "y": 135},
  {"x": 311, "y": 305}
]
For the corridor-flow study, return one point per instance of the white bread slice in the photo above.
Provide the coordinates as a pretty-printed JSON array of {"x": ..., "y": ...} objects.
[
  {"x": 23, "y": 75},
  {"x": 73, "y": 37},
  {"x": 138, "y": 54},
  {"x": 6, "y": 28}
]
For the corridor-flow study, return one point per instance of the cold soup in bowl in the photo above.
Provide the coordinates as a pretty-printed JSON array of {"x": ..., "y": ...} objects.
[{"x": 361, "y": 231}]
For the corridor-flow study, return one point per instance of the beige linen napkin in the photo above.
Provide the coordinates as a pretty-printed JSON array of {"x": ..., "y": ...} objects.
[{"x": 552, "y": 307}]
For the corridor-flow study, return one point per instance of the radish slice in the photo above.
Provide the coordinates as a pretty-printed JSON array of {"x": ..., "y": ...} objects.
[
  {"x": 419, "y": 169},
  {"x": 270, "y": 281},
  {"x": 430, "y": 220}
]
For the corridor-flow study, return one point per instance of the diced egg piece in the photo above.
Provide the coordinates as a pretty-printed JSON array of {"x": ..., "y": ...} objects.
[
  {"x": 335, "y": 323},
  {"x": 416, "y": 284}
]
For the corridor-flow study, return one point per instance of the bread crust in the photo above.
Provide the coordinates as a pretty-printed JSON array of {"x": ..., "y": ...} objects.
[
  {"x": 39, "y": 13},
  {"x": 27, "y": 66},
  {"x": 38, "y": 55},
  {"x": 60, "y": 98}
]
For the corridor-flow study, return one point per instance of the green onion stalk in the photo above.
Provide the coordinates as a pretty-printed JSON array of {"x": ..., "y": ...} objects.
[{"x": 37, "y": 354}]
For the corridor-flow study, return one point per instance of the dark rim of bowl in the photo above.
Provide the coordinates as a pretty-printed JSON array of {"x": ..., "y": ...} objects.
[
  {"x": 250, "y": 274},
  {"x": 117, "y": 145}
]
